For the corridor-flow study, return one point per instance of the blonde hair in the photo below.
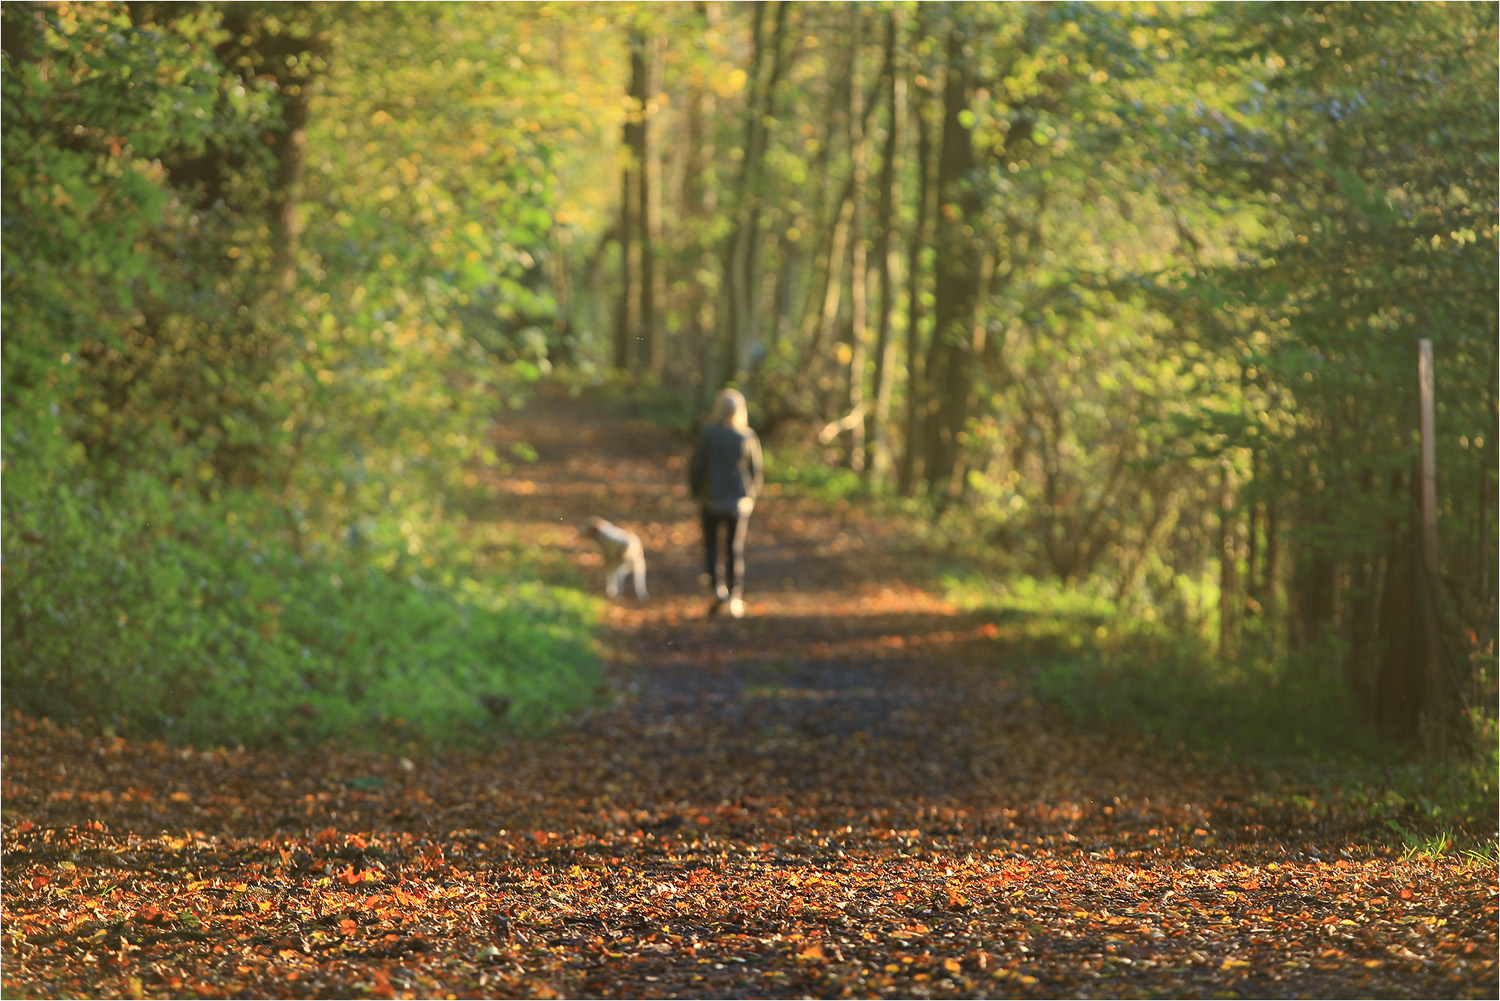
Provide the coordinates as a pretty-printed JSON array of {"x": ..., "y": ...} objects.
[{"x": 730, "y": 409}]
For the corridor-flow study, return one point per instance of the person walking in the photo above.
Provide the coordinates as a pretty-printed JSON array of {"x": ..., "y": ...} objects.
[{"x": 726, "y": 478}]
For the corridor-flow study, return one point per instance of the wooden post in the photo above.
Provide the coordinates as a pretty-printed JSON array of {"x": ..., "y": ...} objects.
[{"x": 1436, "y": 715}]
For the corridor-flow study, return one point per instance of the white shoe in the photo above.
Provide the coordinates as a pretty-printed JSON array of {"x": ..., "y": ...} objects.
[{"x": 736, "y": 608}]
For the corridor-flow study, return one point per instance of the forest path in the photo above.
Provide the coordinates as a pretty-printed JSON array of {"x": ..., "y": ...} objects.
[
  {"x": 846, "y": 794},
  {"x": 885, "y": 810},
  {"x": 839, "y": 648}
]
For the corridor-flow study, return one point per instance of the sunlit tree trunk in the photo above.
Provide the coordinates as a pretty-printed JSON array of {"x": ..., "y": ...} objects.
[
  {"x": 826, "y": 241},
  {"x": 886, "y": 257},
  {"x": 825, "y": 326},
  {"x": 854, "y": 348},
  {"x": 653, "y": 285},
  {"x": 741, "y": 261},
  {"x": 913, "y": 467},
  {"x": 286, "y": 217},
  {"x": 697, "y": 202}
]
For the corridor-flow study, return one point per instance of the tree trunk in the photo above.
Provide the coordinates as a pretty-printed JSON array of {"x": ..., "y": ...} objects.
[
  {"x": 1273, "y": 593},
  {"x": 886, "y": 258},
  {"x": 741, "y": 262},
  {"x": 826, "y": 327},
  {"x": 628, "y": 312},
  {"x": 913, "y": 467},
  {"x": 286, "y": 46},
  {"x": 1228, "y": 557},
  {"x": 653, "y": 285},
  {"x": 297, "y": 56},
  {"x": 697, "y": 202},
  {"x": 956, "y": 277},
  {"x": 854, "y": 373},
  {"x": 1398, "y": 689}
]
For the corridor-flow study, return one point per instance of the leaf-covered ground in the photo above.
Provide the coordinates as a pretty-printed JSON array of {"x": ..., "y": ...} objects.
[{"x": 847, "y": 793}]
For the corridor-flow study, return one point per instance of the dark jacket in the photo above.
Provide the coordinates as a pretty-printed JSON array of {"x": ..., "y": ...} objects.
[{"x": 726, "y": 470}]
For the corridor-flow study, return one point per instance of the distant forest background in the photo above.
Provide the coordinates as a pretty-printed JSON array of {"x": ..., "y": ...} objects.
[{"x": 1125, "y": 296}]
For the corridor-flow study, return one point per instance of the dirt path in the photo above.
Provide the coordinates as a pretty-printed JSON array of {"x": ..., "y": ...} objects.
[
  {"x": 846, "y": 679},
  {"x": 847, "y": 793}
]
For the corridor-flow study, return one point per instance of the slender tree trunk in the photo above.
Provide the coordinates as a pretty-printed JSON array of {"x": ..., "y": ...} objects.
[
  {"x": 561, "y": 269},
  {"x": 854, "y": 374},
  {"x": 1273, "y": 593},
  {"x": 653, "y": 284},
  {"x": 1489, "y": 499},
  {"x": 788, "y": 287},
  {"x": 1311, "y": 604},
  {"x": 594, "y": 282},
  {"x": 1398, "y": 689},
  {"x": 628, "y": 312},
  {"x": 697, "y": 202},
  {"x": 286, "y": 218},
  {"x": 1228, "y": 556},
  {"x": 741, "y": 262},
  {"x": 826, "y": 329},
  {"x": 1254, "y": 571},
  {"x": 886, "y": 257},
  {"x": 913, "y": 467},
  {"x": 811, "y": 310}
]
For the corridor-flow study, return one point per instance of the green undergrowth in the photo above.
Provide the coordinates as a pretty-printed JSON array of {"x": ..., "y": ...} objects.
[
  {"x": 1295, "y": 719},
  {"x": 824, "y": 483},
  {"x": 1129, "y": 673},
  {"x": 145, "y": 613}
]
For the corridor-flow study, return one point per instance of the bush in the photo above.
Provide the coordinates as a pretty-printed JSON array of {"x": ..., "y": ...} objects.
[{"x": 144, "y": 612}]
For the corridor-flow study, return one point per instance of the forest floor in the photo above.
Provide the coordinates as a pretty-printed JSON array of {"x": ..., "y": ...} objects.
[{"x": 849, "y": 792}]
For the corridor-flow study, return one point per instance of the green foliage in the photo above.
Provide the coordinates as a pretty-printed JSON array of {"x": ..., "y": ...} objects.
[
  {"x": 231, "y": 500},
  {"x": 143, "y": 611},
  {"x": 815, "y": 479},
  {"x": 439, "y": 141},
  {"x": 1136, "y": 676}
]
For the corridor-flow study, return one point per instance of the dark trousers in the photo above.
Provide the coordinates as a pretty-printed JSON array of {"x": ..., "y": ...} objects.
[{"x": 732, "y": 574}]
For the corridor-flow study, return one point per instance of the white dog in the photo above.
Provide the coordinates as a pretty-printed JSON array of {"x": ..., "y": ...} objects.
[{"x": 623, "y": 556}]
